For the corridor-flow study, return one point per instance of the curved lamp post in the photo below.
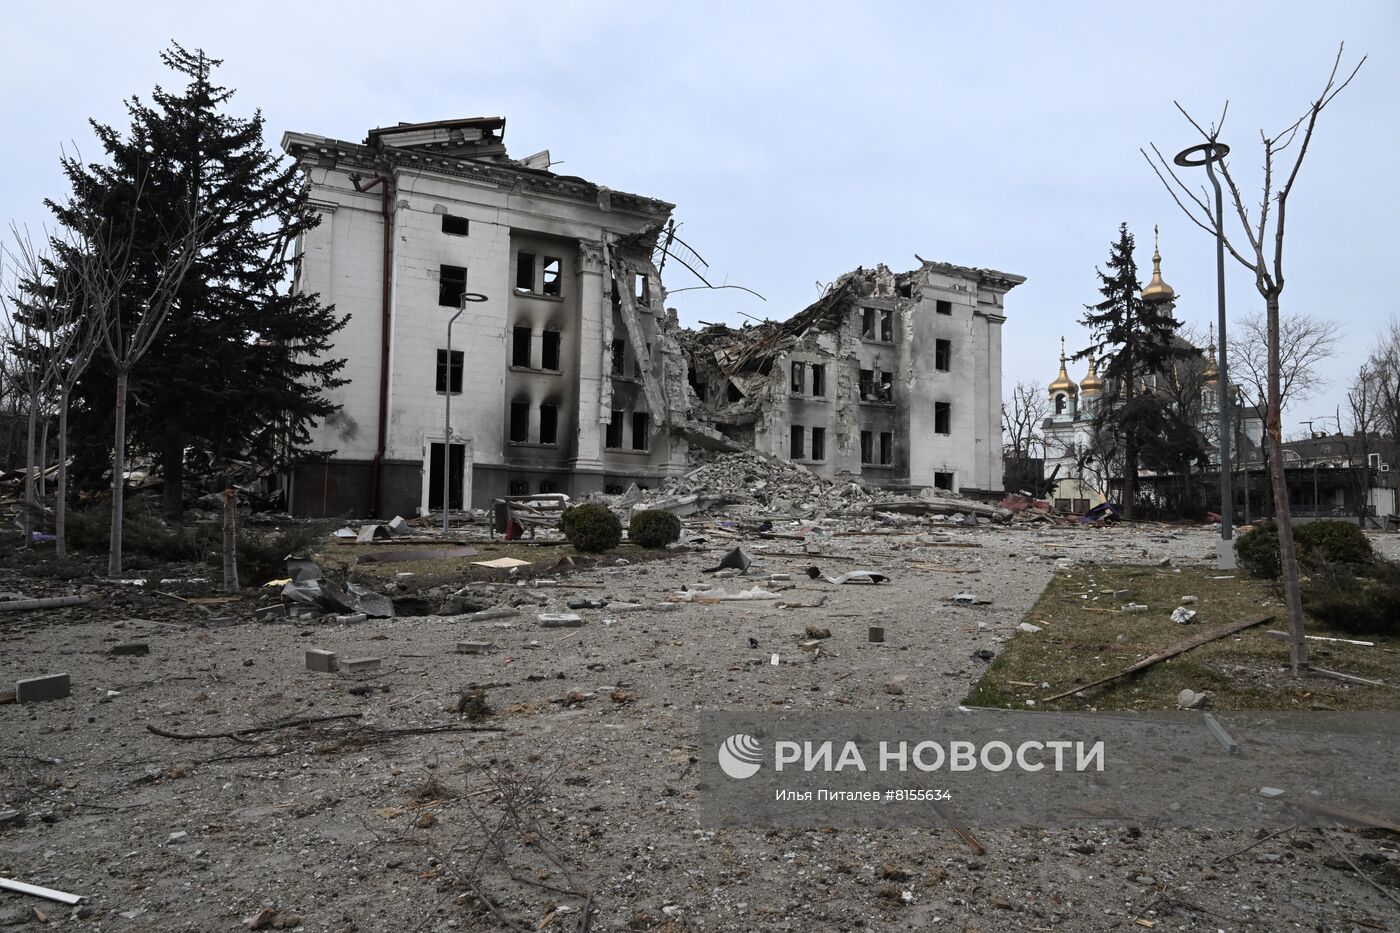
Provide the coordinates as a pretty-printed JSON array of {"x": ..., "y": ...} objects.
[
  {"x": 1208, "y": 154},
  {"x": 467, "y": 298}
]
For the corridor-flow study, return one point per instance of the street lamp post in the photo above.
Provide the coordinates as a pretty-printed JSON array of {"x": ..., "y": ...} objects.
[
  {"x": 1208, "y": 154},
  {"x": 467, "y": 298}
]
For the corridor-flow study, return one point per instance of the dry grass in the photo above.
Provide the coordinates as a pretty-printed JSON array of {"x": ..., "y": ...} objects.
[
  {"x": 1084, "y": 637},
  {"x": 544, "y": 561}
]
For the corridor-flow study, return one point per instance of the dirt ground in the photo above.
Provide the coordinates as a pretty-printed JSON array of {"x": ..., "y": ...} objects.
[{"x": 403, "y": 819}]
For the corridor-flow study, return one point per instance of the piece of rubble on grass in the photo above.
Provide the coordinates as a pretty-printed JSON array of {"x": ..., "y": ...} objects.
[
  {"x": 501, "y": 563},
  {"x": 1191, "y": 699},
  {"x": 1027, "y": 628},
  {"x": 1183, "y": 616}
]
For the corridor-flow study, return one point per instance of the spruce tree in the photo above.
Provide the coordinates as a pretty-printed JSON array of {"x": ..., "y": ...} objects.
[
  {"x": 239, "y": 369},
  {"x": 1137, "y": 340}
]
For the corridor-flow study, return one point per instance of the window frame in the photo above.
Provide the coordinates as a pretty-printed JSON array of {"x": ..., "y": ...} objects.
[
  {"x": 442, "y": 378},
  {"x": 444, "y": 278}
]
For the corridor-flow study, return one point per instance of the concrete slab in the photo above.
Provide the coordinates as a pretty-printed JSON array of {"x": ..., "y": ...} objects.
[{"x": 36, "y": 689}]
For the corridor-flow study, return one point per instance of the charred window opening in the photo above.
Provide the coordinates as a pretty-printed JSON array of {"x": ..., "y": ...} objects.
[
  {"x": 943, "y": 307},
  {"x": 886, "y": 448},
  {"x": 884, "y": 389},
  {"x": 456, "y": 226},
  {"x": 524, "y": 272},
  {"x": 798, "y": 381},
  {"x": 943, "y": 481},
  {"x": 454, "y": 379},
  {"x": 520, "y": 347},
  {"x": 641, "y": 430},
  {"x": 795, "y": 443},
  {"x": 549, "y": 350},
  {"x": 519, "y": 487},
  {"x": 551, "y": 278},
  {"x": 905, "y": 291},
  {"x": 887, "y": 326},
  {"x": 519, "y": 422},
  {"x": 867, "y": 447},
  {"x": 619, "y": 357},
  {"x": 549, "y": 423},
  {"x": 613, "y": 437},
  {"x": 867, "y": 384},
  {"x": 612, "y": 489},
  {"x": 867, "y": 323},
  {"x": 452, "y": 282},
  {"x": 695, "y": 384},
  {"x": 943, "y": 417},
  {"x": 818, "y": 379},
  {"x": 819, "y": 443},
  {"x": 943, "y": 355},
  {"x": 733, "y": 394},
  {"x": 548, "y": 486}
]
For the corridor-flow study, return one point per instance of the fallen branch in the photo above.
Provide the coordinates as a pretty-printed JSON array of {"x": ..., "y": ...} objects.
[
  {"x": 1204, "y": 638},
  {"x": 1357, "y": 868},
  {"x": 1258, "y": 842},
  {"x": 286, "y": 724}
]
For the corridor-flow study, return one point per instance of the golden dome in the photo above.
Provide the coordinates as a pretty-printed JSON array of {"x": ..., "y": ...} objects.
[
  {"x": 1157, "y": 290},
  {"x": 1063, "y": 383},
  {"x": 1091, "y": 384}
]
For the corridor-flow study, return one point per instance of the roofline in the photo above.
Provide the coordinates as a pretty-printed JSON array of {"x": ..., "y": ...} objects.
[{"x": 496, "y": 122}]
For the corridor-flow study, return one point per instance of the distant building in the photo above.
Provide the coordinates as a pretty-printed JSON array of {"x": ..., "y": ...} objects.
[{"x": 1335, "y": 476}]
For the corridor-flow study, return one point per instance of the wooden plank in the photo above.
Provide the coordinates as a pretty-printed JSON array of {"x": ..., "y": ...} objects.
[
  {"x": 1349, "y": 678},
  {"x": 1205, "y": 638},
  {"x": 1351, "y": 816}
]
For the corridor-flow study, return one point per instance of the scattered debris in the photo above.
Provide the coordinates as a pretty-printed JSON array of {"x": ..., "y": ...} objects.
[
  {"x": 1183, "y": 616},
  {"x": 20, "y": 887},
  {"x": 38, "y": 689}
]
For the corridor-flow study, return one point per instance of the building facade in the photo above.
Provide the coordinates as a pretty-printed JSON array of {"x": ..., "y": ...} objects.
[
  {"x": 891, "y": 377},
  {"x": 564, "y": 370}
]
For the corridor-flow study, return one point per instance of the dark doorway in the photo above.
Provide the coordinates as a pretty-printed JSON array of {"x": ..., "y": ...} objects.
[{"x": 454, "y": 480}]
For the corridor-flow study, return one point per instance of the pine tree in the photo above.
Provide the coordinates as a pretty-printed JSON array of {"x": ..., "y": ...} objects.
[
  {"x": 1136, "y": 339},
  {"x": 238, "y": 370}
]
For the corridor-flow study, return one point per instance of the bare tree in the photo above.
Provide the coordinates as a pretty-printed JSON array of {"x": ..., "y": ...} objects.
[
  {"x": 1262, "y": 255},
  {"x": 73, "y": 336},
  {"x": 1305, "y": 343},
  {"x": 1384, "y": 367},
  {"x": 129, "y": 308},
  {"x": 24, "y": 334},
  {"x": 1363, "y": 402},
  {"x": 1022, "y": 433}
]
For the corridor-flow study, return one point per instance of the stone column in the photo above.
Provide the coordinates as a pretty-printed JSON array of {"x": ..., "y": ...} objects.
[{"x": 594, "y": 351}]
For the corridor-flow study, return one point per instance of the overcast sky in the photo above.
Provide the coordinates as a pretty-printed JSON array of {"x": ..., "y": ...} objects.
[{"x": 801, "y": 140}]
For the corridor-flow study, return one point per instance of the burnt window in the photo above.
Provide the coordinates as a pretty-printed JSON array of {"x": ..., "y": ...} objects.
[
  {"x": 549, "y": 350},
  {"x": 612, "y": 489},
  {"x": 943, "y": 355},
  {"x": 884, "y": 390},
  {"x": 520, "y": 347},
  {"x": 867, "y": 323},
  {"x": 867, "y": 447},
  {"x": 519, "y": 422},
  {"x": 619, "y": 357},
  {"x": 457, "y": 226},
  {"x": 818, "y": 379},
  {"x": 452, "y": 282},
  {"x": 943, "y": 480},
  {"x": 549, "y": 423},
  {"x": 548, "y": 486},
  {"x": 797, "y": 378},
  {"x": 943, "y": 307},
  {"x": 733, "y": 394},
  {"x": 455, "y": 378},
  {"x": 943, "y": 417},
  {"x": 905, "y": 290},
  {"x": 867, "y": 383},
  {"x": 525, "y": 272},
  {"x": 886, "y": 448},
  {"x": 695, "y": 384},
  {"x": 551, "y": 278},
  {"x": 887, "y": 326},
  {"x": 518, "y": 487},
  {"x": 613, "y": 438},
  {"x": 641, "y": 430},
  {"x": 819, "y": 443},
  {"x": 795, "y": 447}
]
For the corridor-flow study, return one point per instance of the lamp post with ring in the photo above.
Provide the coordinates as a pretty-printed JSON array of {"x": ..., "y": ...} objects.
[
  {"x": 1207, "y": 154},
  {"x": 467, "y": 298}
]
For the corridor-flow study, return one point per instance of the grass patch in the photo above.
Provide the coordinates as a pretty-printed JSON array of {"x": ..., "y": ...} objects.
[
  {"x": 1084, "y": 637},
  {"x": 544, "y": 561}
]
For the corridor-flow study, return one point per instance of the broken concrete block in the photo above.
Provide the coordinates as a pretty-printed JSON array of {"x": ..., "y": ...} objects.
[
  {"x": 473, "y": 647},
  {"x": 220, "y": 621},
  {"x": 1183, "y": 616},
  {"x": 322, "y": 662},
  {"x": 895, "y": 686},
  {"x": 1121, "y": 595},
  {"x": 360, "y": 665},
  {"x": 267, "y": 613},
  {"x": 559, "y": 620},
  {"x": 397, "y": 526},
  {"x": 138, "y": 648},
  {"x": 1189, "y": 600},
  {"x": 877, "y": 634},
  {"x": 1134, "y": 607},
  {"x": 36, "y": 689},
  {"x": 1027, "y": 628},
  {"x": 352, "y": 619},
  {"x": 1190, "y": 699},
  {"x": 501, "y": 612}
]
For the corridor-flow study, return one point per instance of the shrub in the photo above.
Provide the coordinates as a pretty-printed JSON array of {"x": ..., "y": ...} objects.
[
  {"x": 1257, "y": 550},
  {"x": 653, "y": 528},
  {"x": 1318, "y": 544},
  {"x": 1359, "y": 602},
  {"x": 591, "y": 527},
  {"x": 1339, "y": 542}
]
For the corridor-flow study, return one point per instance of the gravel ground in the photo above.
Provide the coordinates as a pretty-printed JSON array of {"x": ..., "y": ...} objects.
[{"x": 347, "y": 825}]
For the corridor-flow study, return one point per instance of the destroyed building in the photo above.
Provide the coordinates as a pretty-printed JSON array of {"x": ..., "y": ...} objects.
[
  {"x": 892, "y": 377},
  {"x": 564, "y": 368}
]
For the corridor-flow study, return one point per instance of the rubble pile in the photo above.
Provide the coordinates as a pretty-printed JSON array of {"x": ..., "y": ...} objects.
[{"x": 779, "y": 485}]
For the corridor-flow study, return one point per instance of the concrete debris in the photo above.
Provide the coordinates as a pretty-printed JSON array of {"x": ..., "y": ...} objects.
[
  {"x": 1183, "y": 616},
  {"x": 38, "y": 689},
  {"x": 736, "y": 559},
  {"x": 1027, "y": 627},
  {"x": 1190, "y": 699},
  {"x": 360, "y": 665},
  {"x": 559, "y": 620}
]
